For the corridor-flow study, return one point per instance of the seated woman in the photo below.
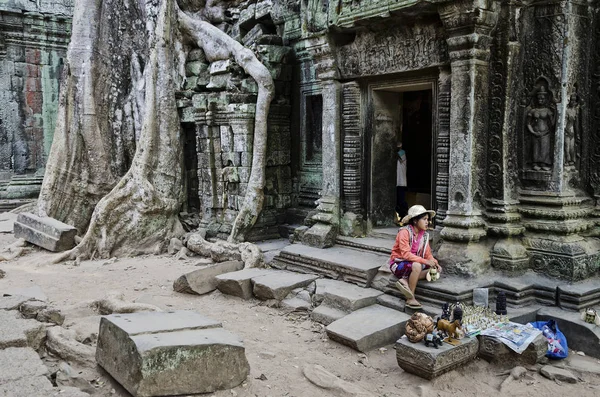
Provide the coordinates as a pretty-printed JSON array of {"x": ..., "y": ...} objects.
[{"x": 411, "y": 256}]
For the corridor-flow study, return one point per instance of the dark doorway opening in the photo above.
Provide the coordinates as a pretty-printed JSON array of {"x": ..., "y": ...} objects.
[
  {"x": 190, "y": 157},
  {"x": 401, "y": 114},
  {"x": 416, "y": 138}
]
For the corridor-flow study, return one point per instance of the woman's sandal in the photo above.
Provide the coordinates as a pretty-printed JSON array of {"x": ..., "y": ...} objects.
[
  {"x": 405, "y": 290},
  {"x": 414, "y": 307}
]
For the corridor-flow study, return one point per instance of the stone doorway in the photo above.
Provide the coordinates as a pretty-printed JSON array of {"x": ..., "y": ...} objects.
[{"x": 401, "y": 113}]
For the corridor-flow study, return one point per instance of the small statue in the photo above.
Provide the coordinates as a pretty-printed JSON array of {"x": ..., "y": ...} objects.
[
  {"x": 446, "y": 311},
  {"x": 418, "y": 326},
  {"x": 432, "y": 275},
  {"x": 571, "y": 127},
  {"x": 433, "y": 338},
  {"x": 540, "y": 124},
  {"x": 501, "y": 304},
  {"x": 449, "y": 328},
  {"x": 590, "y": 316},
  {"x": 457, "y": 313}
]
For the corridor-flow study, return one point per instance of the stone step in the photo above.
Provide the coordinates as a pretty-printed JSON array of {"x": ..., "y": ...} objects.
[
  {"x": 23, "y": 374},
  {"x": 45, "y": 232},
  {"x": 278, "y": 284},
  {"x": 388, "y": 233},
  {"x": 326, "y": 315},
  {"x": 344, "y": 296},
  {"x": 347, "y": 264},
  {"x": 239, "y": 283},
  {"x": 428, "y": 362},
  {"x": 579, "y": 296},
  {"x": 159, "y": 354},
  {"x": 379, "y": 245},
  {"x": 368, "y": 328}
]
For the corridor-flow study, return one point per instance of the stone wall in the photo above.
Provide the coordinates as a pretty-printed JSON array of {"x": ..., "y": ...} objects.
[{"x": 33, "y": 42}]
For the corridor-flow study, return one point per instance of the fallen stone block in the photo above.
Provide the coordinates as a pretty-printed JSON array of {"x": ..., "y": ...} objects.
[
  {"x": 30, "y": 309},
  {"x": 239, "y": 283},
  {"x": 494, "y": 351},
  {"x": 164, "y": 354},
  {"x": 20, "y": 362},
  {"x": 326, "y": 315},
  {"x": 13, "y": 302},
  {"x": 278, "y": 284},
  {"x": 368, "y": 328},
  {"x": 62, "y": 343},
  {"x": 344, "y": 296},
  {"x": 428, "y": 362},
  {"x": 45, "y": 232},
  {"x": 553, "y": 373},
  {"x": 38, "y": 386},
  {"x": 296, "y": 304},
  {"x": 15, "y": 331},
  {"x": 203, "y": 281}
]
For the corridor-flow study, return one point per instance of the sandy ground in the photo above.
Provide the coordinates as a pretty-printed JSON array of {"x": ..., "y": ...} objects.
[{"x": 278, "y": 344}]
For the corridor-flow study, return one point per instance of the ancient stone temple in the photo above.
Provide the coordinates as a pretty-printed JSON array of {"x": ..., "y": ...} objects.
[
  {"x": 33, "y": 42},
  {"x": 496, "y": 103}
]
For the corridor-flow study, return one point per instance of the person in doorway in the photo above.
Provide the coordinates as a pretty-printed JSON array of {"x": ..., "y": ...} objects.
[
  {"x": 401, "y": 205},
  {"x": 411, "y": 257}
]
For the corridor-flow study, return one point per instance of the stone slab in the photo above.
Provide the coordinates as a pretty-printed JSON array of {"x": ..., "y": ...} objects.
[
  {"x": 358, "y": 267},
  {"x": 581, "y": 364},
  {"x": 294, "y": 303},
  {"x": 273, "y": 245},
  {"x": 580, "y": 335},
  {"x": 381, "y": 245},
  {"x": 326, "y": 315},
  {"x": 19, "y": 363},
  {"x": 16, "y": 331},
  {"x": 344, "y": 296},
  {"x": 13, "y": 302},
  {"x": 494, "y": 351},
  {"x": 554, "y": 373},
  {"x": 278, "y": 284},
  {"x": 203, "y": 280},
  {"x": 392, "y": 302},
  {"x": 7, "y": 222},
  {"x": 181, "y": 360},
  {"x": 368, "y": 328},
  {"x": 239, "y": 283},
  {"x": 428, "y": 362},
  {"x": 158, "y": 322},
  {"x": 38, "y": 386},
  {"x": 45, "y": 232}
]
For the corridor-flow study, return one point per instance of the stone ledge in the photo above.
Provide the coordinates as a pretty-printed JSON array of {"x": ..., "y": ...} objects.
[{"x": 428, "y": 362}]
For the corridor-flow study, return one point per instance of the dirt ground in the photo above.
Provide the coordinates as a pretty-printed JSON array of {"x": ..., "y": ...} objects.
[{"x": 278, "y": 343}]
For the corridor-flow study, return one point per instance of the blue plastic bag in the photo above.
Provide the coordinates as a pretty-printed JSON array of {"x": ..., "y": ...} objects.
[{"x": 557, "y": 342}]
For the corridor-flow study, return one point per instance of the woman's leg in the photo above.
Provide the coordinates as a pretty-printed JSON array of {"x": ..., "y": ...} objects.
[{"x": 415, "y": 275}]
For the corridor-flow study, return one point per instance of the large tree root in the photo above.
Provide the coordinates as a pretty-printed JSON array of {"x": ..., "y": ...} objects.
[
  {"x": 219, "y": 46},
  {"x": 115, "y": 302},
  {"x": 221, "y": 251}
]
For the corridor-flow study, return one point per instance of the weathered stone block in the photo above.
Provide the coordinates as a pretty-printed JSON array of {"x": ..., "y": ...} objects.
[
  {"x": 195, "y": 68},
  {"x": 278, "y": 284},
  {"x": 163, "y": 354},
  {"x": 16, "y": 331},
  {"x": 344, "y": 296},
  {"x": 239, "y": 283},
  {"x": 18, "y": 363},
  {"x": 428, "y": 362},
  {"x": 220, "y": 67},
  {"x": 326, "y": 315},
  {"x": 45, "y": 232},
  {"x": 368, "y": 328},
  {"x": 492, "y": 350},
  {"x": 320, "y": 236},
  {"x": 197, "y": 54},
  {"x": 203, "y": 281}
]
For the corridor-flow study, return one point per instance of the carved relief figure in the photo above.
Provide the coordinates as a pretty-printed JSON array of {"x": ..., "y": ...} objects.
[
  {"x": 540, "y": 122},
  {"x": 231, "y": 179},
  {"x": 571, "y": 129}
]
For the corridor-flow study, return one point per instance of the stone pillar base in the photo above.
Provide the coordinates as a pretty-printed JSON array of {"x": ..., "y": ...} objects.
[
  {"x": 468, "y": 260},
  {"x": 509, "y": 255},
  {"x": 320, "y": 236},
  {"x": 570, "y": 257},
  {"x": 352, "y": 225}
]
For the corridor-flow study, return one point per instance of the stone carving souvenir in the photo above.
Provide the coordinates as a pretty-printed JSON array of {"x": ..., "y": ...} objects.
[
  {"x": 418, "y": 326},
  {"x": 501, "y": 303}
]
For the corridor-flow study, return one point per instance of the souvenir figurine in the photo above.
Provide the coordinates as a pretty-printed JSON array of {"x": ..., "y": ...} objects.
[
  {"x": 445, "y": 311},
  {"x": 433, "y": 338},
  {"x": 449, "y": 328},
  {"x": 501, "y": 303},
  {"x": 457, "y": 313},
  {"x": 590, "y": 316}
]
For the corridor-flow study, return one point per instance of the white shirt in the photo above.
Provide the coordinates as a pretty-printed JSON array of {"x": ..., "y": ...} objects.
[{"x": 401, "y": 170}]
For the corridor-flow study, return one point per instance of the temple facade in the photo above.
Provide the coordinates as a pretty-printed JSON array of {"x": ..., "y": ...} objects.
[
  {"x": 496, "y": 103},
  {"x": 33, "y": 42}
]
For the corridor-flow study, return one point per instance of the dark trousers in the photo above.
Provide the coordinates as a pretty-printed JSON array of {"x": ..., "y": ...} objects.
[{"x": 401, "y": 204}]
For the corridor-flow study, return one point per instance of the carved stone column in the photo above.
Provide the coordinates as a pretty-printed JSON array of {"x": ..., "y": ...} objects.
[
  {"x": 322, "y": 234},
  {"x": 504, "y": 220},
  {"x": 468, "y": 24},
  {"x": 556, "y": 204}
]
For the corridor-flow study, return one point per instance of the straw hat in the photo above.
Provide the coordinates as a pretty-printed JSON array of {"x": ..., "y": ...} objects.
[{"x": 416, "y": 210}]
